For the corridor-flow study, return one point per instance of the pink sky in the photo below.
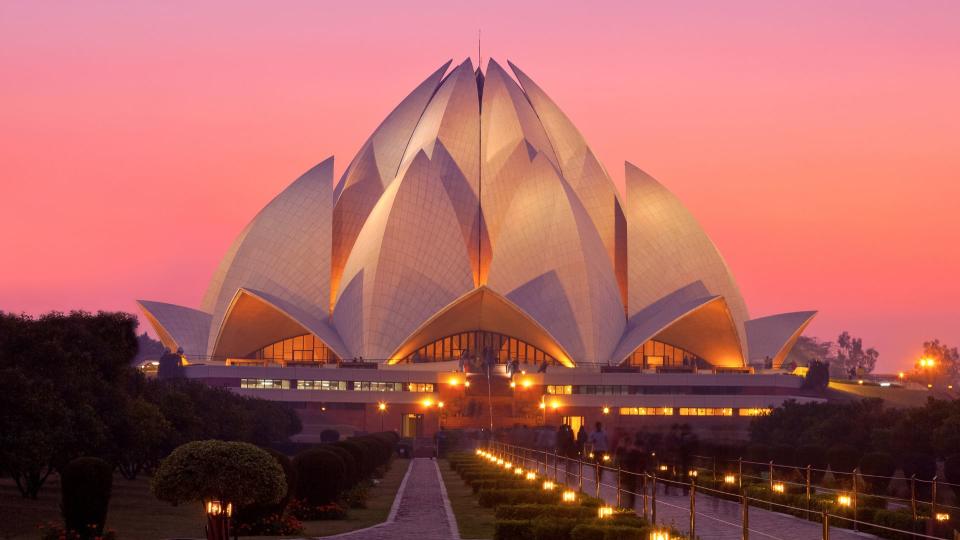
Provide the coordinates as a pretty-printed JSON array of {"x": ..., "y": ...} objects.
[{"x": 818, "y": 143}]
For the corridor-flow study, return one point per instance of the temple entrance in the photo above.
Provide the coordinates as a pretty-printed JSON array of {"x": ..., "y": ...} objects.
[{"x": 411, "y": 425}]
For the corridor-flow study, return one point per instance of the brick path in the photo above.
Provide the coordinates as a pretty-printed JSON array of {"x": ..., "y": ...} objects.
[
  {"x": 718, "y": 519},
  {"x": 421, "y": 510}
]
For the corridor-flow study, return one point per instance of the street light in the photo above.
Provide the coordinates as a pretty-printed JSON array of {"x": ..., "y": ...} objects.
[{"x": 381, "y": 408}]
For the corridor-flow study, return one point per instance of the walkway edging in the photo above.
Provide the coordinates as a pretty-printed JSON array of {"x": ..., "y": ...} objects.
[{"x": 451, "y": 519}]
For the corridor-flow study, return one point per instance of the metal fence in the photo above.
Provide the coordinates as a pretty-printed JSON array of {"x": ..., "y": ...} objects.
[{"x": 588, "y": 477}]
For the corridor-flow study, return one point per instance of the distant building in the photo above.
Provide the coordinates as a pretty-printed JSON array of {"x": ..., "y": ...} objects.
[{"x": 475, "y": 229}]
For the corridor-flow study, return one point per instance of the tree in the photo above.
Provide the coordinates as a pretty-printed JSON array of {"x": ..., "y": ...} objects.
[
  {"x": 86, "y": 484},
  {"x": 227, "y": 473},
  {"x": 946, "y": 363},
  {"x": 139, "y": 442}
]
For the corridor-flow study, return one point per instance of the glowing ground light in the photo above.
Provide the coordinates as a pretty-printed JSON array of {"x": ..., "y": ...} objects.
[
  {"x": 606, "y": 457},
  {"x": 729, "y": 479},
  {"x": 466, "y": 383},
  {"x": 844, "y": 500},
  {"x": 659, "y": 535},
  {"x": 604, "y": 512},
  {"x": 941, "y": 516},
  {"x": 508, "y": 465},
  {"x": 543, "y": 405},
  {"x": 692, "y": 473},
  {"x": 216, "y": 508},
  {"x": 499, "y": 461},
  {"x": 569, "y": 496},
  {"x": 779, "y": 487},
  {"x": 518, "y": 471},
  {"x": 526, "y": 384},
  {"x": 513, "y": 384},
  {"x": 591, "y": 455},
  {"x": 531, "y": 476},
  {"x": 663, "y": 468},
  {"x": 548, "y": 485}
]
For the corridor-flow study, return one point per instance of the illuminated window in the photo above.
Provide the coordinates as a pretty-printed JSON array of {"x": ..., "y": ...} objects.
[
  {"x": 321, "y": 385},
  {"x": 755, "y": 411},
  {"x": 478, "y": 346},
  {"x": 265, "y": 384},
  {"x": 559, "y": 389},
  {"x": 706, "y": 411},
  {"x": 646, "y": 411},
  {"x": 602, "y": 389},
  {"x": 420, "y": 387},
  {"x": 305, "y": 348},
  {"x": 653, "y": 354},
  {"x": 375, "y": 386}
]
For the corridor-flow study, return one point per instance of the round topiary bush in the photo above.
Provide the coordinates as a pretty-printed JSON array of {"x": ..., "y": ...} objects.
[
  {"x": 85, "y": 485},
  {"x": 351, "y": 467},
  {"x": 234, "y": 472},
  {"x": 877, "y": 468},
  {"x": 360, "y": 455},
  {"x": 924, "y": 466},
  {"x": 256, "y": 514},
  {"x": 321, "y": 476}
]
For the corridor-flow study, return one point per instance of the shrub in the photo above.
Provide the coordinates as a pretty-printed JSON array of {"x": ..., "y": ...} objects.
[
  {"x": 355, "y": 497},
  {"x": 877, "y": 467},
  {"x": 360, "y": 456},
  {"x": 53, "y": 531},
  {"x": 512, "y": 529},
  {"x": 253, "y": 514},
  {"x": 843, "y": 458},
  {"x": 816, "y": 457},
  {"x": 552, "y": 528},
  {"x": 951, "y": 467},
  {"x": 85, "y": 495},
  {"x": 531, "y": 511},
  {"x": 350, "y": 465},
  {"x": 321, "y": 476},
  {"x": 329, "y": 436},
  {"x": 316, "y": 512},
  {"x": 495, "y": 497},
  {"x": 271, "y": 525},
  {"x": 924, "y": 467},
  {"x": 235, "y": 472},
  {"x": 586, "y": 531}
]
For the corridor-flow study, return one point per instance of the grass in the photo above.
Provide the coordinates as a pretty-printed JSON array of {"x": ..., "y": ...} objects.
[
  {"x": 473, "y": 520},
  {"x": 135, "y": 513}
]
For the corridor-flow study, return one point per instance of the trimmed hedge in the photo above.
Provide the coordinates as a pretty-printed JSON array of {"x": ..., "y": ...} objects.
[
  {"x": 321, "y": 476},
  {"x": 492, "y": 498},
  {"x": 531, "y": 511},
  {"x": 85, "y": 485}
]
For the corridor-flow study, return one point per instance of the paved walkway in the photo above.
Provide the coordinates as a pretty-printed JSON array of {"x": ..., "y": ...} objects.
[
  {"x": 718, "y": 519},
  {"x": 421, "y": 510}
]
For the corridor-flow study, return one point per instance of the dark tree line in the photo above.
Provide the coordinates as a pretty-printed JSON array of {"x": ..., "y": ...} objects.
[{"x": 68, "y": 389}]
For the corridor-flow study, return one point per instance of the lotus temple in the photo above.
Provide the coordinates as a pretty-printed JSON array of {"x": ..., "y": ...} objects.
[{"x": 476, "y": 267}]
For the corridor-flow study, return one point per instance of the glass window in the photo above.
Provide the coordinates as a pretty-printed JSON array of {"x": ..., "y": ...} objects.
[
  {"x": 706, "y": 411},
  {"x": 754, "y": 411},
  {"x": 646, "y": 411},
  {"x": 557, "y": 389},
  {"x": 265, "y": 384}
]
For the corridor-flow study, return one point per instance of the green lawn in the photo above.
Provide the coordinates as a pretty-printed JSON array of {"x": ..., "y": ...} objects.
[
  {"x": 135, "y": 513},
  {"x": 473, "y": 520}
]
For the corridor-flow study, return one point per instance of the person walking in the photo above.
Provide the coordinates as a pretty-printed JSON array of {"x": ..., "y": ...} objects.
[
  {"x": 598, "y": 442},
  {"x": 581, "y": 440}
]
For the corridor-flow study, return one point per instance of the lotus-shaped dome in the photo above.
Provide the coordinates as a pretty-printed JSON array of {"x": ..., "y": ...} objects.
[{"x": 475, "y": 219}]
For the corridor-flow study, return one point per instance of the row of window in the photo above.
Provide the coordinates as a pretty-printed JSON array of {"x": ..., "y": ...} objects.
[
  {"x": 658, "y": 354},
  {"x": 361, "y": 386},
  {"x": 305, "y": 348},
  {"x": 480, "y": 347},
  {"x": 621, "y": 389},
  {"x": 693, "y": 411}
]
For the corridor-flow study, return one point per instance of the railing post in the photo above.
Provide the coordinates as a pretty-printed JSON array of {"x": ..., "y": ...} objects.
[
  {"x": 808, "y": 487},
  {"x": 913, "y": 495},
  {"x": 643, "y": 492},
  {"x": 856, "y": 472},
  {"x": 826, "y": 525},
  {"x": 653, "y": 505},
  {"x": 619, "y": 485},
  {"x": 740, "y": 471},
  {"x": 580, "y": 474},
  {"x": 771, "y": 476},
  {"x": 693, "y": 508},
  {"x": 555, "y": 467},
  {"x": 933, "y": 501},
  {"x": 596, "y": 476},
  {"x": 714, "y": 476},
  {"x": 746, "y": 515}
]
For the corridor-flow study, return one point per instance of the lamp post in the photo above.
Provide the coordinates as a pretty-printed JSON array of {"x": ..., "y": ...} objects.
[
  {"x": 381, "y": 409},
  {"x": 218, "y": 519}
]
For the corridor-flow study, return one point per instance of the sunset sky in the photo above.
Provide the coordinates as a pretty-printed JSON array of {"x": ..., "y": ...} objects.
[{"x": 817, "y": 142}]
